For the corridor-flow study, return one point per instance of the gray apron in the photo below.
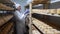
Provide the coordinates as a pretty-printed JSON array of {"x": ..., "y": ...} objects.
[{"x": 20, "y": 23}]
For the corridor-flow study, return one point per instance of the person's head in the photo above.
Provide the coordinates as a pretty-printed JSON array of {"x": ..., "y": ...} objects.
[{"x": 18, "y": 7}]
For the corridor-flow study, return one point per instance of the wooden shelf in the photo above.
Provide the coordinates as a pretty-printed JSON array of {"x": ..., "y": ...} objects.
[
  {"x": 7, "y": 28},
  {"x": 4, "y": 7},
  {"x": 55, "y": 20},
  {"x": 47, "y": 12},
  {"x": 35, "y": 2},
  {"x": 4, "y": 19},
  {"x": 6, "y": 1},
  {"x": 45, "y": 28}
]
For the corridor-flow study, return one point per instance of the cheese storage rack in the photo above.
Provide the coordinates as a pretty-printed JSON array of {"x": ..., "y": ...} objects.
[
  {"x": 44, "y": 17},
  {"x": 35, "y": 2},
  {"x": 6, "y": 17}
]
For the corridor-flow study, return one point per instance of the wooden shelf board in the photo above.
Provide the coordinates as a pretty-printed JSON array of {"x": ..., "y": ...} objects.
[
  {"x": 4, "y": 7},
  {"x": 7, "y": 28},
  {"x": 4, "y": 19}
]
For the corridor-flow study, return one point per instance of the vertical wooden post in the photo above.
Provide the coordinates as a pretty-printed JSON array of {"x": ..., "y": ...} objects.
[{"x": 30, "y": 18}]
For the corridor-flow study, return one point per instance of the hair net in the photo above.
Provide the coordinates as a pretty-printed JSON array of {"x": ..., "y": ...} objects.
[{"x": 17, "y": 5}]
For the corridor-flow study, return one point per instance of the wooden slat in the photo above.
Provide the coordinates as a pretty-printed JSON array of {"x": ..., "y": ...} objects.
[
  {"x": 7, "y": 28},
  {"x": 4, "y": 19},
  {"x": 4, "y": 7}
]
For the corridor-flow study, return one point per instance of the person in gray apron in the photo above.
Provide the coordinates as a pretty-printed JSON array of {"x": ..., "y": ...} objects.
[{"x": 20, "y": 20}]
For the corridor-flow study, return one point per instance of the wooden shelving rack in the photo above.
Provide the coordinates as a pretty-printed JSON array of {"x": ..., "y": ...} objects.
[
  {"x": 39, "y": 20},
  {"x": 6, "y": 19}
]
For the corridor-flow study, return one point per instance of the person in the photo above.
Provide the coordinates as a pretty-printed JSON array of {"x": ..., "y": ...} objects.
[{"x": 20, "y": 21}]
